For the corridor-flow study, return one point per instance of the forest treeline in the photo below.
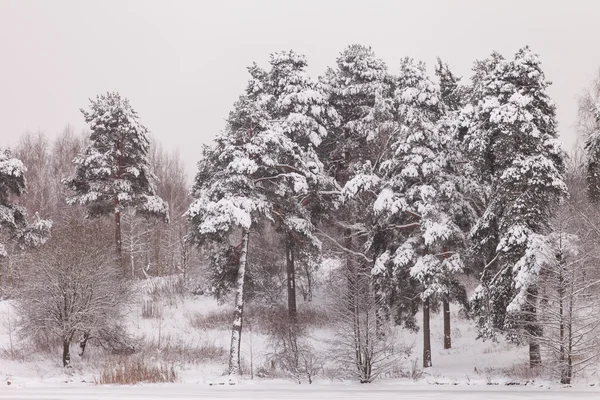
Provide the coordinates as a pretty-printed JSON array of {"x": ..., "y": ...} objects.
[{"x": 413, "y": 185}]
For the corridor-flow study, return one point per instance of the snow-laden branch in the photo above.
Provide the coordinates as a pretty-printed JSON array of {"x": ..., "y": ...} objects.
[{"x": 344, "y": 248}]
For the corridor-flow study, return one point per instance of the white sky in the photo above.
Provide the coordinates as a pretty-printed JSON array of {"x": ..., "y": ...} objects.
[{"x": 182, "y": 63}]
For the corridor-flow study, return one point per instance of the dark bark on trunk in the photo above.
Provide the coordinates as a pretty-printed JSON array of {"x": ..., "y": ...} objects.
[
  {"x": 83, "y": 343},
  {"x": 66, "y": 356},
  {"x": 236, "y": 332},
  {"x": 447, "y": 328},
  {"x": 426, "y": 335},
  {"x": 291, "y": 277},
  {"x": 118, "y": 240},
  {"x": 533, "y": 329}
]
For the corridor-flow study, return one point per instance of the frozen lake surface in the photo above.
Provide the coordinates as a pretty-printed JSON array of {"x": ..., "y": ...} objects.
[{"x": 291, "y": 392}]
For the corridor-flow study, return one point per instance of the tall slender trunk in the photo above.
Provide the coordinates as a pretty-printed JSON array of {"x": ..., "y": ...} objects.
[
  {"x": 426, "y": 335},
  {"x": 446, "y": 311},
  {"x": 83, "y": 342},
  {"x": 118, "y": 240},
  {"x": 561, "y": 316},
  {"x": 66, "y": 356},
  {"x": 447, "y": 328},
  {"x": 533, "y": 329},
  {"x": 568, "y": 367},
  {"x": 236, "y": 331},
  {"x": 291, "y": 277}
]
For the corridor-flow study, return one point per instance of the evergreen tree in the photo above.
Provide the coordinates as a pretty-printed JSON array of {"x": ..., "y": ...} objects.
[
  {"x": 421, "y": 197},
  {"x": 113, "y": 172},
  {"x": 510, "y": 130},
  {"x": 298, "y": 107},
  {"x": 361, "y": 91},
  {"x": 13, "y": 218},
  {"x": 261, "y": 168},
  {"x": 592, "y": 147},
  {"x": 452, "y": 98}
]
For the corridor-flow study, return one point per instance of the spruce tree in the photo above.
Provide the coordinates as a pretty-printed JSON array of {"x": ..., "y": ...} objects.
[
  {"x": 511, "y": 133},
  {"x": 113, "y": 172}
]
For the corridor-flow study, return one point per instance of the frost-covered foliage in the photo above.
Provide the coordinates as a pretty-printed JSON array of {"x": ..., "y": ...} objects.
[
  {"x": 421, "y": 194},
  {"x": 299, "y": 108},
  {"x": 13, "y": 218},
  {"x": 592, "y": 147},
  {"x": 264, "y": 166},
  {"x": 267, "y": 152},
  {"x": 113, "y": 172},
  {"x": 361, "y": 91},
  {"x": 511, "y": 135}
]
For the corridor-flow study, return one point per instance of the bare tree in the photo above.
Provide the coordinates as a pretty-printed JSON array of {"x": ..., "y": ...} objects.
[
  {"x": 72, "y": 287},
  {"x": 359, "y": 348}
]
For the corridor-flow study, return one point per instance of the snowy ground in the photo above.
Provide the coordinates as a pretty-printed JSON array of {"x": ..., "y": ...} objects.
[
  {"x": 472, "y": 369},
  {"x": 291, "y": 392}
]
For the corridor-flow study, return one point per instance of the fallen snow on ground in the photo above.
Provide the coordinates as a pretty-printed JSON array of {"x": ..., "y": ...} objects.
[
  {"x": 472, "y": 369},
  {"x": 291, "y": 392}
]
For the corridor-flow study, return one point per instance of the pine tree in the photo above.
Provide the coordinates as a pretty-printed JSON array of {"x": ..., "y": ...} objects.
[
  {"x": 361, "y": 91},
  {"x": 113, "y": 172},
  {"x": 13, "y": 218},
  {"x": 420, "y": 196},
  {"x": 228, "y": 202},
  {"x": 592, "y": 147},
  {"x": 260, "y": 169},
  {"x": 452, "y": 97},
  {"x": 298, "y": 107},
  {"x": 510, "y": 131}
]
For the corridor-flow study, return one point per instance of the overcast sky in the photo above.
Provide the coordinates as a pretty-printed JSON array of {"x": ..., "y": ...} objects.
[{"x": 182, "y": 63}]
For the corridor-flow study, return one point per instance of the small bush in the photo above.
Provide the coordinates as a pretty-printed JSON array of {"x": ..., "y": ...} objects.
[
  {"x": 189, "y": 353},
  {"x": 169, "y": 288},
  {"x": 44, "y": 343},
  {"x": 415, "y": 373},
  {"x": 131, "y": 372},
  {"x": 522, "y": 373},
  {"x": 219, "y": 320}
]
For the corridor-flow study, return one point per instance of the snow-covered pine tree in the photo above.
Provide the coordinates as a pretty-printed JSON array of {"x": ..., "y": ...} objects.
[
  {"x": 299, "y": 108},
  {"x": 13, "y": 218},
  {"x": 260, "y": 168},
  {"x": 592, "y": 148},
  {"x": 510, "y": 132},
  {"x": 113, "y": 171},
  {"x": 452, "y": 94},
  {"x": 420, "y": 197},
  {"x": 361, "y": 91},
  {"x": 452, "y": 98}
]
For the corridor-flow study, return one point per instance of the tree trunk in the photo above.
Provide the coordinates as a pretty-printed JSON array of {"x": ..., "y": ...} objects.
[
  {"x": 66, "y": 356},
  {"x": 83, "y": 343},
  {"x": 447, "y": 330},
  {"x": 291, "y": 277},
  {"x": 426, "y": 335},
  {"x": 118, "y": 240},
  {"x": 236, "y": 332},
  {"x": 533, "y": 329}
]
